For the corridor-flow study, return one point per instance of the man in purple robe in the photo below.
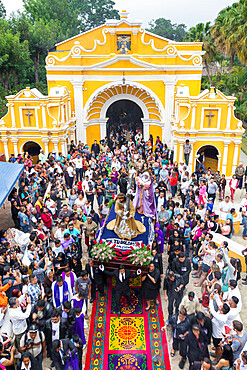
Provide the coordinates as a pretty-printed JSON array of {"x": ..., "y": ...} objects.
[{"x": 144, "y": 201}]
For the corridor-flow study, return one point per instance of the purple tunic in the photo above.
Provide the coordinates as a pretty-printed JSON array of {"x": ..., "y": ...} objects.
[
  {"x": 79, "y": 327},
  {"x": 144, "y": 199},
  {"x": 77, "y": 303}
]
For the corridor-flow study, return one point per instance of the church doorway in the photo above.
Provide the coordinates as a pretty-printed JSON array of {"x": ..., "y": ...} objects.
[
  {"x": 211, "y": 157},
  {"x": 123, "y": 115},
  {"x": 33, "y": 149}
]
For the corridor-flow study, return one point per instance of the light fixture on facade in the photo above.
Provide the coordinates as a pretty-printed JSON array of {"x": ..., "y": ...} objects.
[{"x": 123, "y": 79}]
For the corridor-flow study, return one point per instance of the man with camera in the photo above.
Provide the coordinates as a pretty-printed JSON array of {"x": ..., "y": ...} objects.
[
  {"x": 19, "y": 318},
  {"x": 34, "y": 342},
  {"x": 62, "y": 351}
]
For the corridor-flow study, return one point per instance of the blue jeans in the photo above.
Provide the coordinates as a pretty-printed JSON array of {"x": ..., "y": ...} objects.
[
  {"x": 186, "y": 158},
  {"x": 100, "y": 199},
  {"x": 187, "y": 247},
  {"x": 39, "y": 359},
  {"x": 78, "y": 174},
  {"x": 173, "y": 190},
  {"x": 245, "y": 225}
]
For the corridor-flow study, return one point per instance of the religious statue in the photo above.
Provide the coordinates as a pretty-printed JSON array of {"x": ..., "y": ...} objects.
[
  {"x": 123, "y": 44},
  {"x": 144, "y": 201},
  {"x": 125, "y": 226}
]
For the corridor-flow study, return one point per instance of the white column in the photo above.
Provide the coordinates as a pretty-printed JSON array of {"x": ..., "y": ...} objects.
[
  {"x": 43, "y": 115},
  {"x": 181, "y": 150},
  {"x": 102, "y": 122},
  {"x": 69, "y": 106},
  {"x": 193, "y": 118},
  {"x": 15, "y": 141},
  {"x": 55, "y": 142},
  {"x": 78, "y": 98},
  {"x": 6, "y": 150},
  {"x": 46, "y": 143},
  {"x": 146, "y": 123},
  {"x": 12, "y": 112},
  {"x": 169, "y": 107},
  {"x": 225, "y": 156},
  {"x": 229, "y": 115},
  {"x": 72, "y": 135},
  {"x": 191, "y": 159},
  {"x": 63, "y": 147},
  {"x": 62, "y": 114},
  {"x": 175, "y": 150},
  {"x": 235, "y": 156}
]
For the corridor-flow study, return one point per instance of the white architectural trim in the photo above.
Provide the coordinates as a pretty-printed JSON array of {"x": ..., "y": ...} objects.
[
  {"x": 130, "y": 97},
  {"x": 218, "y": 120},
  {"x": 140, "y": 77},
  {"x": 161, "y": 68},
  {"x": 30, "y": 141},
  {"x": 78, "y": 100},
  {"x": 76, "y": 50}
]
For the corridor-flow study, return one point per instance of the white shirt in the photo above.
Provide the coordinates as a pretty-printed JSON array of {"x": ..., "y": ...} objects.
[
  {"x": 78, "y": 162},
  {"x": 232, "y": 315},
  {"x": 122, "y": 277},
  {"x": 225, "y": 207},
  {"x": 236, "y": 293},
  {"x": 160, "y": 203},
  {"x": 55, "y": 330},
  {"x": 80, "y": 202},
  {"x": 70, "y": 171},
  {"x": 59, "y": 234},
  {"x": 68, "y": 281},
  {"x": 89, "y": 173},
  {"x": 218, "y": 322},
  {"x": 85, "y": 185},
  {"x": 19, "y": 319}
]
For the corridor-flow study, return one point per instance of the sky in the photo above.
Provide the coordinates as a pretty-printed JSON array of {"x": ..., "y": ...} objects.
[{"x": 189, "y": 12}]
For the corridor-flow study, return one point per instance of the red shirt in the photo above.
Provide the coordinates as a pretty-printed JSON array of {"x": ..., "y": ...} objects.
[{"x": 47, "y": 219}]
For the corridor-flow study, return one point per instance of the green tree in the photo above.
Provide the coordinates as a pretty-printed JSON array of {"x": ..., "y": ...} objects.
[
  {"x": 93, "y": 13},
  {"x": 164, "y": 27},
  {"x": 225, "y": 31},
  {"x": 202, "y": 33},
  {"x": 14, "y": 55},
  {"x": 2, "y": 10}
]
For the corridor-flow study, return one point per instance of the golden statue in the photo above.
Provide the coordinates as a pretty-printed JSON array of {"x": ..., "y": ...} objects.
[{"x": 125, "y": 226}]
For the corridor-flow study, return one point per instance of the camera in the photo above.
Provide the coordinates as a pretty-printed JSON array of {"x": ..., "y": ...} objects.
[
  {"x": 29, "y": 342},
  {"x": 66, "y": 357}
]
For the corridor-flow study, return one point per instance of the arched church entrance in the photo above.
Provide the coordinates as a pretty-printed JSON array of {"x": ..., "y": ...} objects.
[
  {"x": 211, "y": 157},
  {"x": 124, "y": 115},
  {"x": 33, "y": 149}
]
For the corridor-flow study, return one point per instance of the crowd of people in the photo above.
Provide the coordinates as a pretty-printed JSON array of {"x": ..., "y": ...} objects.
[{"x": 60, "y": 203}]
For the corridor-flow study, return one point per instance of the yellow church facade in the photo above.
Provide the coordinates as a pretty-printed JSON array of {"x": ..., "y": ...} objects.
[{"x": 120, "y": 61}]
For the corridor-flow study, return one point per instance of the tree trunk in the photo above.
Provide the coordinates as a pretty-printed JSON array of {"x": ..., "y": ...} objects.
[
  {"x": 36, "y": 67},
  {"x": 16, "y": 78},
  {"x": 1, "y": 79},
  {"x": 231, "y": 60},
  {"x": 6, "y": 83},
  {"x": 208, "y": 73}
]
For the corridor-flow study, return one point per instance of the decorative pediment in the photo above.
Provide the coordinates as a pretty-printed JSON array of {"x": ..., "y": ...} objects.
[
  {"x": 130, "y": 62},
  {"x": 29, "y": 94}
]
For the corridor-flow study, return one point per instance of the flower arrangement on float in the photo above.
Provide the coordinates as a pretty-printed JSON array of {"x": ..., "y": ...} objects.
[
  {"x": 140, "y": 254},
  {"x": 103, "y": 251}
]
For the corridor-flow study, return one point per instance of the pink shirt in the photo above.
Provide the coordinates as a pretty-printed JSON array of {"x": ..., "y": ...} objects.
[{"x": 202, "y": 190}]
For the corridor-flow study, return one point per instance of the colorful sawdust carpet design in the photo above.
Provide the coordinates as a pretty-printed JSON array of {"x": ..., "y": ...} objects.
[
  {"x": 155, "y": 337},
  {"x": 127, "y": 362},
  {"x": 136, "y": 302},
  {"x": 96, "y": 362},
  {"x": 127, "y": 333}
]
